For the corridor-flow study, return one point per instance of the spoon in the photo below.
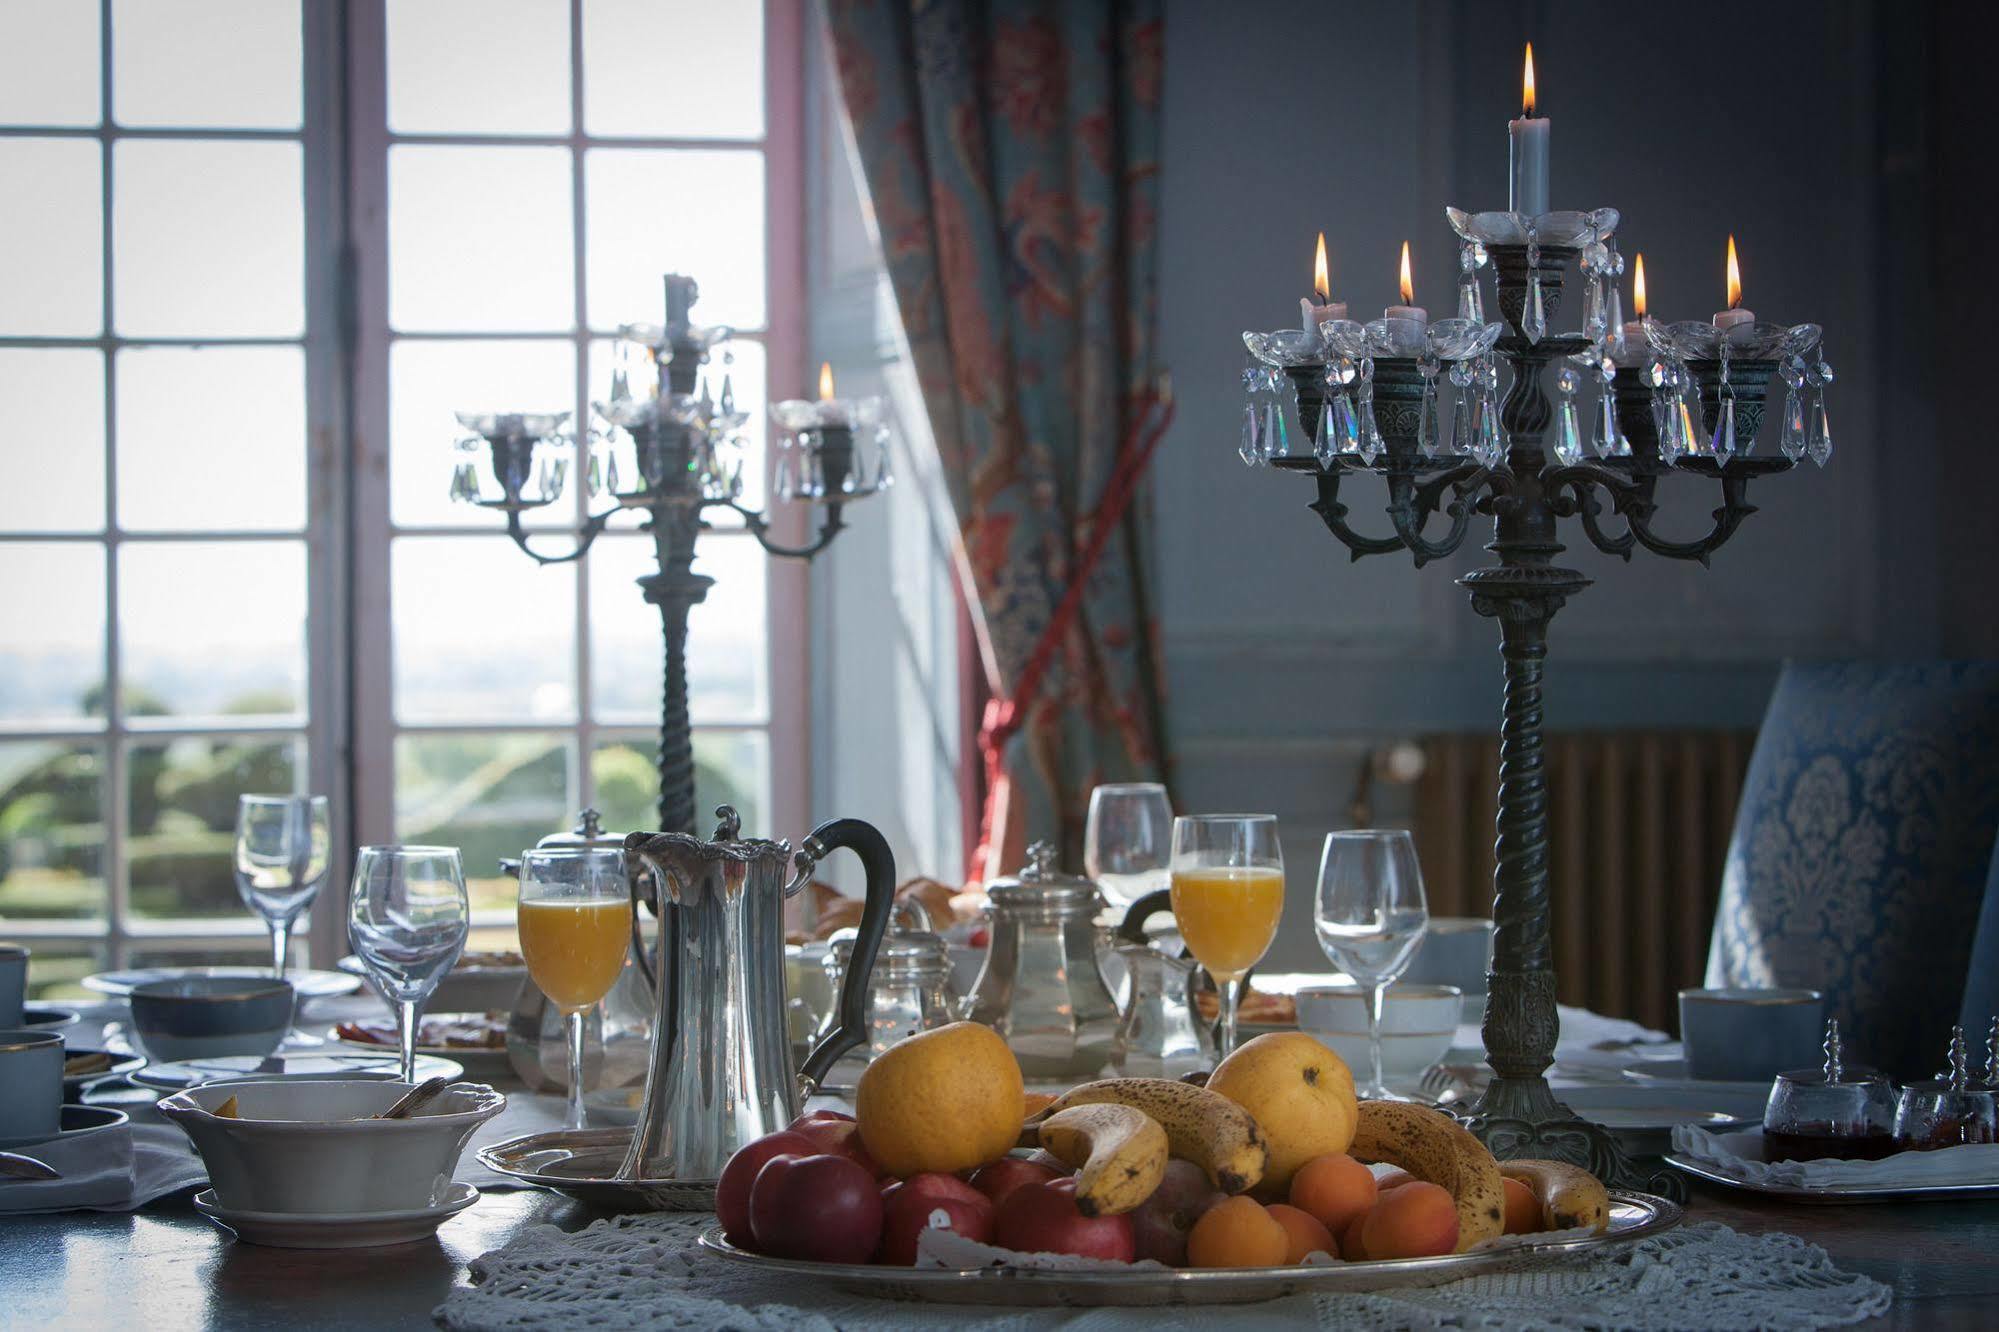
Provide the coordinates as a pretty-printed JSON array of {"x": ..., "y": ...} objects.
[
  {"x": 25, "y": 1167},
  {"x": 415, "y": 1099}
]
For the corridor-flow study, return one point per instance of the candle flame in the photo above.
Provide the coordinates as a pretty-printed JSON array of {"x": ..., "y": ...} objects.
[
  {"x": 1408, "y": 283},
  {"x": 825, "y": 381},
  {"x": 1734, "y": 277},
  {"x": 1527, "y": 85},
  {"x": 1638, "y": 288},
  {"x": 1322, "y": 281}
]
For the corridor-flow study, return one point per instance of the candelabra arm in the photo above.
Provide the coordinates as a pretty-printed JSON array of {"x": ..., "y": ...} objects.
[
  {"x": 831, "y": 526},
  {"x": 1735, "y": 506},
  {"x": 1628, "y": 495},
  {"x": 592, "y": 527},
  {"x": 1334, "y": 513},
  {"x": 1410, "y": 506}
]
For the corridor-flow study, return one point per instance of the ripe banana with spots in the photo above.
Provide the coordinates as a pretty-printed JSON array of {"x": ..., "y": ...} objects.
[
  {"x": 1570, "y": 1196},
  {"x": 1120, "y": 1154},
  {"x": 1201, "y": 1126},
  {"x": 1432, "y": 1146}
]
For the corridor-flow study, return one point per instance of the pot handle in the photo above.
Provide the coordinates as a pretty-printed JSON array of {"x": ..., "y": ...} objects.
[
  {"x": 879, "y": 863},
  {"x": 1132, "y": 928}
]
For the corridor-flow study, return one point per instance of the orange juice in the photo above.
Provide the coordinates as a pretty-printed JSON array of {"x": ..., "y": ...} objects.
[
  {"x": 1228, "y": 914},
  {"x": 574, "y": 949}
]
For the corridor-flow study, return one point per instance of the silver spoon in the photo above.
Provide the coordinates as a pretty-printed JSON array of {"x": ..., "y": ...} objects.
[
  {"x": 14, "y": 1167},
  {"x": 415, "y": 1099}
]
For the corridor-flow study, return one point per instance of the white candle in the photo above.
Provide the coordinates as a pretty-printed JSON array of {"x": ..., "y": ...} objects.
[
  {"x": 1316, "y": 309},
  {"x": 832, "y": 412},
  {"x": 1527, "y": 151},
  {"x": 1408, "y": 309},
  {"x": 1634, "y": 330},
  {"x": 1734, "y": 314}
]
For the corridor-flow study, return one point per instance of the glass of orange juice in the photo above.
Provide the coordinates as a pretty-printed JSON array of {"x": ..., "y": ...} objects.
[
  {"x": 576, "y": 923},
  {"x": 1228, "y": 892}
]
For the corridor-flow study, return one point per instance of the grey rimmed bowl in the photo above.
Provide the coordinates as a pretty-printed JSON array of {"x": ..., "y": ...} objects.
[{"x": 203, "y": 1017}]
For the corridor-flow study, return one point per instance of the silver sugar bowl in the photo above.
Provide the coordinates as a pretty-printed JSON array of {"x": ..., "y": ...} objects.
[
  {"x": 1041, "y": 988},
  {"x": 909, "y": 992}
]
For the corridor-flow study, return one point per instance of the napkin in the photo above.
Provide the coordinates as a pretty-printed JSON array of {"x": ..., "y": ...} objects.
[
  {"x": 112, "y": 1170},
  {"x": 1740, "y": 1155}
]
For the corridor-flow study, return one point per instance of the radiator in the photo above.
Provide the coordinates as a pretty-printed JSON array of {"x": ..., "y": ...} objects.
[{"x": 1638, "y": 828}]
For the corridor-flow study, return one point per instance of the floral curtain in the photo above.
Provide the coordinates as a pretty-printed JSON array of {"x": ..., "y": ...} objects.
[{"x": 1010, "y": 149}]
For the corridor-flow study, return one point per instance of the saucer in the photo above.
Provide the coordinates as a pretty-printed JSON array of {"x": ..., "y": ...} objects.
[
  {"x": 1675, "y": 1071},
  {"x": 336, "y": 1230},
  {"x": 77, "y": 1121},
  {"x": 317, "y": 1067},
  {"x": 307, "y": 984},
  {"x": 46, "y": 1017},
  {"x": 73, "y": 1084}
]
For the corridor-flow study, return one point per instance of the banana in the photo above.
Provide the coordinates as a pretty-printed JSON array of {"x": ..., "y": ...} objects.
[
  {"x": 1121, "y": 1153},
  {"x": 1201, "y": 1126},
  {"x": 1432, "y": 1146},
  {"x": 1570, "y": 1196}
]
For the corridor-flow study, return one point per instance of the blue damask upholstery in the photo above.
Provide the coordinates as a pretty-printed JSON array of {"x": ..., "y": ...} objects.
[{"x": 1862, "y": 850}]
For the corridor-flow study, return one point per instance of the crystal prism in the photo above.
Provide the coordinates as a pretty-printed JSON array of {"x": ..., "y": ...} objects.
[
  {"x": 1426, "y": 422},
  {"x": 1370, "y": 444},
  {"x": 1568, "y": 434},
  {"x": 1461, "y": 425},
  {"x": 1609, "y": 441},
  {"x": 1471, "y": 306},
  {"x": 1346, "y": 425},
  {"x": 1323, "y": 446},
  {"x": 1791, "y": 442},
  {"x": 1273, "y": 430},
  {"x": 611, "y": 474},
  {"x": 1252, "y": 434},
  {"x": 1722, "y": 442},
  {"x": 1594, "y": 319},
  {"x": 465, "y": 483},
  {"x": 593, "y": 478},
  {"x": 1819, "y": 445},
  {"x": 781, "y": 484},
  {"x": 1534, "y": 322}
]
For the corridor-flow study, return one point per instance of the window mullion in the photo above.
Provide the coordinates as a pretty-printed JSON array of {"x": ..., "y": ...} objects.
[{"x": 117, "y": 799}]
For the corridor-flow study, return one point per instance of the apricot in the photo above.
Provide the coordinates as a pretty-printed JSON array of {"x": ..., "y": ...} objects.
[
  {"x": 1417, "y": 1220},
  {"x": 1351, "y": 1247},
  {"x": 1523, "y": 1210},
  {"x": 1307, "y": 1233},
  {"x": 1392, "y": 1179},
  {"x": 1333, "y": 1189},
  {"x": 1238, "y": 1232}
]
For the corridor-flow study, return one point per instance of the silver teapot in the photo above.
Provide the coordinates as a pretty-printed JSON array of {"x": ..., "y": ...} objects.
[
  {"x": 1159, "y": 1034},
  {"x": 721, "y": 1071}
]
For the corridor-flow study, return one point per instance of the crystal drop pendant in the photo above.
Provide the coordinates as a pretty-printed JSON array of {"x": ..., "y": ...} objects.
[
  {"x": 1686, "y": 439},
  {"x": 884, "y": 477},
  {"x": 1251, "y": 448},
  {"x": 1426, "y": 422},
  {"x": 1819, "y": 445},
  {"x": 1323, "y": 446},
  {"x": 558, "y": 478},
  {"x": 1371, "y": 443},
  {"x": 1722, "y": 442},
  {"x": 1470, "y": 304},
  {"x": 1594, "y": 319},
  {"x": 1608, "y": 439},
  {"x": 781, "y": 484},
  {"x": 1614, "y": 317},
  {"x": 1791, "y": 442},
  {"x": 1568, "y": 434},
  {"x": 1273, "y": 430},
  {"x": 1461, "y": 442},
  {"x": 465, "y": 483},
  {"x": 1534, "y": 322},
  {"x": 543, "y": 480},
  {"x": 1346, "y": 424},
  {"x": 594, "y": 478},
  {"x": 611, "y": 474}
]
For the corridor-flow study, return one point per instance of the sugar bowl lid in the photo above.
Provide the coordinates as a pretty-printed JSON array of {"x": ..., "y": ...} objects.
[
  {"x": 588, "y": 833},
  {"x": 901, "y": 951},
  {"x": 1042, "y": 885},
  {"x": 1835, "y": 1072}
]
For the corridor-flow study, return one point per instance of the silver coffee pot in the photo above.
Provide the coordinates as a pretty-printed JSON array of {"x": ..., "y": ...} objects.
[
  {"x": 721, "y": 1071},
  {"x": 1159, "y": 1034}
]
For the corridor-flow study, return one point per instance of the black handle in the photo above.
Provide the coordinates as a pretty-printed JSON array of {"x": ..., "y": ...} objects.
[
  {"x": 879, "y": 863},
  {"x": 1132, "y": 928}
]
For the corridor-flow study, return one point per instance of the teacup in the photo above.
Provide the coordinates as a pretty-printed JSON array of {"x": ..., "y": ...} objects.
[
  {"x": 1741, "y": 1035},
  {"x": 13, "y": 983},
  {"x": 206, "y": 1017},
  {"x": 30, "y": 1084},
  {"x": 1418, "y": 1023},
  {"x": 1455, "y": 951}
]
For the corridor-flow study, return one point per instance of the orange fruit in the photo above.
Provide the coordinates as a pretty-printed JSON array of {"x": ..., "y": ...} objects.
[
  {"x": 1334, "y": 1189},
  {"x": 1238, "y": 1232},
  {"x": 1306, "y": 1233}
]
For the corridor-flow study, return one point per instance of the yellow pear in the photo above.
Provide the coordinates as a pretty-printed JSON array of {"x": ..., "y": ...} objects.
[
  {"x": 946, "y": 1100},
  {"x": 1300, "y": 1094}
]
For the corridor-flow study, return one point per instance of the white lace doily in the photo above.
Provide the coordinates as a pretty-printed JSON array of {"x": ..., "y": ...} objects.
[{"x": 643, "y": 1272}]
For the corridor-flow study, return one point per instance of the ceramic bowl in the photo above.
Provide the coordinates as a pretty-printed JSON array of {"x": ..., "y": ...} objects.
[
  {"x": 202, "y": 1017},
  {"x": 1418, "y": 1023},
  {"x": 310, "y": 1147}
]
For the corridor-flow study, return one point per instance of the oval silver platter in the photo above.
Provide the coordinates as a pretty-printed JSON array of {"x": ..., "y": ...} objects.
[
  {"x": 582, "y": 1164},
  {"x": 1632, "y": 1216}
]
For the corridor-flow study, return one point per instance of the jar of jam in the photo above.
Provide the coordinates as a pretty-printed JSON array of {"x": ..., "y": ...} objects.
[
  {"x": 1949, "y": 1111},
  {"x": 1838, "y": 1111}
]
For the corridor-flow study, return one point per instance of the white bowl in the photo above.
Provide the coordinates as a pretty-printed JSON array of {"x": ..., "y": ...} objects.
[
  {"x": 308, "y": 1147},
  {"x": 1418, "y": 1023}
]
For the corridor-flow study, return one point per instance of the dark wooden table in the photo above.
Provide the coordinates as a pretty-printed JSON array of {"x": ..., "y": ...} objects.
[{"x": 165, "y": 1267}]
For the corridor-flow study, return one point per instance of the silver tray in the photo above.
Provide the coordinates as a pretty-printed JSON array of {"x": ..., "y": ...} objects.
[
  {"x": 1632, "y": 1216},
  {"x": 1838, "y": 1194},
  {"x": 581, "y": 1163}
]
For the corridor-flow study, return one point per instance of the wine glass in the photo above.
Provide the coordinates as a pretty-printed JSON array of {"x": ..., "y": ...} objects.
[
  {"x": 1370, "y": 917},
  {"x": 281, "y": 861},
  {"x": 575, "y": 919},
  {"x": 1228, "y": 893},
  {"x": 1127, "y": 841},
  {"x": 406, "y": 921}
]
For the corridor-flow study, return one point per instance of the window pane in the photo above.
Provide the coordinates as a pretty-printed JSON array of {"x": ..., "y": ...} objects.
[
  {"x": 250, "y": 951},
  {"x": 742, "y": 360},
  {"x": 52, "y": 651},
  {"x": 231, "y": 63},
  {"x": 727, "y": 660},
  {"x": 210, "y": 239},
  {"x": 717, "y": 88},
  {"x": 51, "y": 237},
  {"x": 183, "y": 818},
  {"x": 654, "y": 211},
  {"x": 730, "y": 768},
  {"x": 488, "y": 795},
  {"x": 57, "y": 967},
  {"x": 49, "y": 63},
  {"x": 428, "y": 381},
  {"x": 51, "y": 832},
  {"x": 55, "y": 413},
  {"x": 479, "y": 240},
  {"x": 213, "y": 629},
  {"x": 211, "y": 438},
  {"x": 481, "y": 632},
  {"x": 480, "y": 66}
]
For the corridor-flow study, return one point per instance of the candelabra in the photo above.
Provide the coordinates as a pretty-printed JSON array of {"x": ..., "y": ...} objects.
[
  {"x": 686, "y": 444},
  {"x": 1664, "y": 399}
]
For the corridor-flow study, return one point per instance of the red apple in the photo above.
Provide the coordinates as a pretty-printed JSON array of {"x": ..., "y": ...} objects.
[
  {"x": 840, "y": 1137},
  {"x": 821, "y": 1208},
  {"x": 1000, "y": 1178},
  {"x": 1160, "y": 1224},
  {"x": 1043, "y": 1218},
  {"x": 732, "y": 1188},
  {"x": 810, "y": 1115},
  {"x": 921, "y": 1202}
]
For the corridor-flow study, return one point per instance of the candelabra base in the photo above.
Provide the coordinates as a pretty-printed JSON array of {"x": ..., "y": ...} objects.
[{"x": 1518, "y": 1117}]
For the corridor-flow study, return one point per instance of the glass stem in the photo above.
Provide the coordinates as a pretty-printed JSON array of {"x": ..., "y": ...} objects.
[
  {"x": 1376, "y": 996},
  {"x": 573, "y": 1028},
  {"x": 408, "y": 1010},
  {"x": 281, "y": 937},
  {"x": 1231, "y": 1000}
]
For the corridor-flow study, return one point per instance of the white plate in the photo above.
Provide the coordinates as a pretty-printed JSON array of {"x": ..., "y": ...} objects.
[
  {"x": 463, "y": 989},
  {"x": 308, "y": 984},
  {"x": 47, "y": 1017},
  {"x": 1675, "y": 1071},
  {"x": 378, "y": 1067},
  {"x": 1642, "y": 1117},
  {"x": 77, "y": 1120},
  {"x": 483, "y": 1064},
  {"x": 359, "y": 1230}
]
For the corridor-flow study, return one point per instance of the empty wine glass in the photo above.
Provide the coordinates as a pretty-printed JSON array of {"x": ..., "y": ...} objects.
[
  {"x": 1370, "y": 916},
  {"x": 1228, "y": 894},
  {"x": 1128, "y": 840},
  {"x": 575, "y": 917},
  {"x": 406, "y": 921},
  {"x": 281, "y": 855}
]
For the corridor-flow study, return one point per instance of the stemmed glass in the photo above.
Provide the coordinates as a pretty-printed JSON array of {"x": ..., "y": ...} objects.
[
  {"x": 1127, "y": 841},
  {"x": 406, "y": 921},
  {"x": 575, "y": 919},
  {"x": 281, "y": 861},
  {"x": 1370, "y": 916},
  {"x": 1228, "y": 893}
]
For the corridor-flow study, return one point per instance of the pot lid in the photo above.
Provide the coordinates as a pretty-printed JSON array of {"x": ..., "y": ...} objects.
[
  {"x": 1043, "y": 884},
  {"x": 588, "y": 832},
  {"x": 903, "y": 947}
]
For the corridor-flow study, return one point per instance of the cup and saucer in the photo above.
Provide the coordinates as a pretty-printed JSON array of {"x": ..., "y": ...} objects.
[
  {"x": 1740, "y": 1038},
  {"x": 337, "y": 1230}
]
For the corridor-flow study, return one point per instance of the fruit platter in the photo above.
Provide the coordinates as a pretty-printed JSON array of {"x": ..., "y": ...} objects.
[{"x": 950, "y": 1183}]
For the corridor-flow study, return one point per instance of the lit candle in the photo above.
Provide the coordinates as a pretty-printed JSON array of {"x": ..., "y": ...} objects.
[
  {"x": 1408, "y": 309},
  {"x": 1312, "y": 313},
  {"x": 1734, "y": 314},
  {"x": 1527, "y": 151},
  {"x": 829, "y": 413},
  {"x": 1634, "y": 331}
]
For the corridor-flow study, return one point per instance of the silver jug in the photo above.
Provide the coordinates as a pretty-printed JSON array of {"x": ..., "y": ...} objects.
[
  {"x": 721, "y": 1071},
  {"x": 1041, "y": 988},
  {"x": 1159, "y": 1035}
]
